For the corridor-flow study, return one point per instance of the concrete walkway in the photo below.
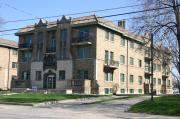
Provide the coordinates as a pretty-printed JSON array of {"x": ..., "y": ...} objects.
[{"x": 114, "y": 108}]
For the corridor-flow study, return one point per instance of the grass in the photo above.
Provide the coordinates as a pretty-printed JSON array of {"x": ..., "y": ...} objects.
[
  {"x": 39, "y": 97},
  {"x": 165, "y": 105}
]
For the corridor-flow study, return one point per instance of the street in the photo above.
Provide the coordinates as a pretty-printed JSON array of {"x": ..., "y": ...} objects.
[{"x": 73, "y": 109}]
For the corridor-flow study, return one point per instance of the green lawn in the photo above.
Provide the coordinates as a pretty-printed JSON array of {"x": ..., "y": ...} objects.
[
  {"x": 165, "y": 105},
  {"x": 39, "y": 97}
]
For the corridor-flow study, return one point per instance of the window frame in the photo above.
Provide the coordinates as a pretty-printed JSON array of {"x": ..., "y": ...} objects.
[{"x": 62, "y": 74}]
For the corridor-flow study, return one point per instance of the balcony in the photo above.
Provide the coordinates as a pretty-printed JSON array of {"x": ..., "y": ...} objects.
[
  {"x": 147, "y": 54},
  {"x": 80, "y": 85},
  {"x": 26, "y": 59},
  {"x": 25, "y": 46},
  {"x": 147, "y": 70},
  {"x": 165, "y": 73},
  {"x": 51, "y": 50},
  {"x": 81, "y": 41},
  {"x": 111, "y": 64}
]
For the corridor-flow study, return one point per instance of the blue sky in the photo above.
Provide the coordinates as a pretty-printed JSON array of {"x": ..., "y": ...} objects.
[{"x": 12, "y": 10}]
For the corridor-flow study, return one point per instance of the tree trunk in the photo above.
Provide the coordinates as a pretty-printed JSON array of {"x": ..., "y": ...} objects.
[{"x": 177, "y": 17}]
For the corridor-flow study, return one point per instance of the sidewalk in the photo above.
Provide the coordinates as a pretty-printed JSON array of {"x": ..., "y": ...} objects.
[{"x": 82, "y": 101}]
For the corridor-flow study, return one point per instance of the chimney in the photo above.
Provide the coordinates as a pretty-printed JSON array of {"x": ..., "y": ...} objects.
[{"x": 122, "y": 24}]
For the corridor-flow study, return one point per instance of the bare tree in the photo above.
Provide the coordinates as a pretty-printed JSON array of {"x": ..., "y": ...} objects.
[{"x": 162, "y": 18}]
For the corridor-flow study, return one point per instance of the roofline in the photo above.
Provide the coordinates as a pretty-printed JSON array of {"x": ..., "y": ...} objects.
[
  {"x": 8, "y": 46},
  {"x": 134, "y": 37}
]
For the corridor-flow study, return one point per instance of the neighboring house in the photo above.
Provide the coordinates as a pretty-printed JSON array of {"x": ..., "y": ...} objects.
[
  {"x": 87, "y": 54},
  {"x": 8, "y": 63}
]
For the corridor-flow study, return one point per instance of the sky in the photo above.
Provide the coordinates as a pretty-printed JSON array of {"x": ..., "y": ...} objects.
[{"x": 11, "y": 10}]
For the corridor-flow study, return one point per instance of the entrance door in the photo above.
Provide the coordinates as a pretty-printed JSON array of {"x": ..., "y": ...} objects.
[{"x": 50, "y": 82}]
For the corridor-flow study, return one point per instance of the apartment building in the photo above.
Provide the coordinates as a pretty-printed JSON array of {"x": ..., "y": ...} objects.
[
  {"x": 8, "y": 63},
  {"x": 86, "y": 54}
]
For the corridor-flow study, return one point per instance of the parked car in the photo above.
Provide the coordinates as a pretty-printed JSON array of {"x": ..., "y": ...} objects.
[{"x": 175, "y": 90}]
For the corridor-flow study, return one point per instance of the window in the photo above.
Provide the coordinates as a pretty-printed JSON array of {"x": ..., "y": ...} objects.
[
  {"x": 140, "y": 80},
  {"x": 40, "y": 41},
  {"x": 63, "y": 34},
  {"x": 154, "y": 81},
  {"x": 140, "y": 91},
  {"x": 131, "y": 91},
  {"x": 28, "y": 39},
  {"x": 106, "y": 35},
  {"x": 26, "y": 56},
  {"x": 111, "y": 56},
  {"x": 122, "y": 42},
  {"x": 131, "y": 62},
  {"x": 159, "y": 67},
  {"x": 106, "y": 57},
  {"x": 38, "y": 75},
  {"x": 14, "y": 64},
  {"x": 14, "y": 77},
  {"x": 131, "y": 44},
  {"x": 108, "y": 76},
  {"x": 62, "y": 74},
  {"x": 14, "y": 52},
  {"x": 123, "y": 91},
  {"x": 108, "y": 90},
  {"x": 154, "y": 67},
  {"x": 83, "y": 74},
  {"x": 52, "y": 41},
  {"x": 131, "y": 79},
  {"x": 63, "y": 48},
  {"x": 63, "y": 53},
  {"x": 83, "y": 52},
  {"x": 169, "y": 82},
  {"x": 140, "y": 47},
  {"x": 122, "y": 59},
  {"x": 83, "y": 35},
  {"x": 122, "y": 77},
  {"x": 140, "y": 63},
  {"x": 25, "y": 75},
  {"x": 147, "y": 79},
  {"x": 159, "y": 81},
  {"x": 111, "y": 36}
]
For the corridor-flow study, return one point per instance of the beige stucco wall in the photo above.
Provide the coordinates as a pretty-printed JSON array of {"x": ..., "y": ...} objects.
[{"x": 5, "y": 82}]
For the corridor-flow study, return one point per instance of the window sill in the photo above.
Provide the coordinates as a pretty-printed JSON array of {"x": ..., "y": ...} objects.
[{"x": 108, "y": 81}]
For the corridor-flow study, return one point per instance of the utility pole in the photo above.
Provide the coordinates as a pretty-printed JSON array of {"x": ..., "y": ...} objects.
[{"x": 152, "y": 67}]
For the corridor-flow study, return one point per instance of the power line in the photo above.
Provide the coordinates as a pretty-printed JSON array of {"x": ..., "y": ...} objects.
[
  {"x": 130, "y": 18},
  {"x": 19, "y": 10},
  {"x": 107, "y": 16},
  {"x": 72, "y": 14}
]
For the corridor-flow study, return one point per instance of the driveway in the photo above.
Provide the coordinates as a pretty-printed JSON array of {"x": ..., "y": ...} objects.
[{"x": 79, "y": 109}]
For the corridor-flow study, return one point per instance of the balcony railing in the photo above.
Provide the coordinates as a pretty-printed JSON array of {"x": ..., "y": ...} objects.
[
  {"x": 111, "y": 63},
  {"x": 75, "y": 83},
  {"x": 79, "y": 83},
  {"x": 165, "y": 73},
  {"x": 26, "y": 59},
  {"x": 81, "y": 40},
  {"x": 147, "y": 53},
  {"x": 51, "y": 50},
  {"x": 25, "y": 45}
]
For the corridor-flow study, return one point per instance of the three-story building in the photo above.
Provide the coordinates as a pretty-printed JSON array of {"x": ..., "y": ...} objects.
[{"x": 87, "y": 54}]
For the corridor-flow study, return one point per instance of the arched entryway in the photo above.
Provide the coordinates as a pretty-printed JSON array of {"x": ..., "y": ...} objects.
[{"x": 49, "y": 81}]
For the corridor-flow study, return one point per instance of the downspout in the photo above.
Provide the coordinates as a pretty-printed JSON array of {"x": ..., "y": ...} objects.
[
  {"x": 127, "y": 73},
  {"x": 8, "y": 68}
]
